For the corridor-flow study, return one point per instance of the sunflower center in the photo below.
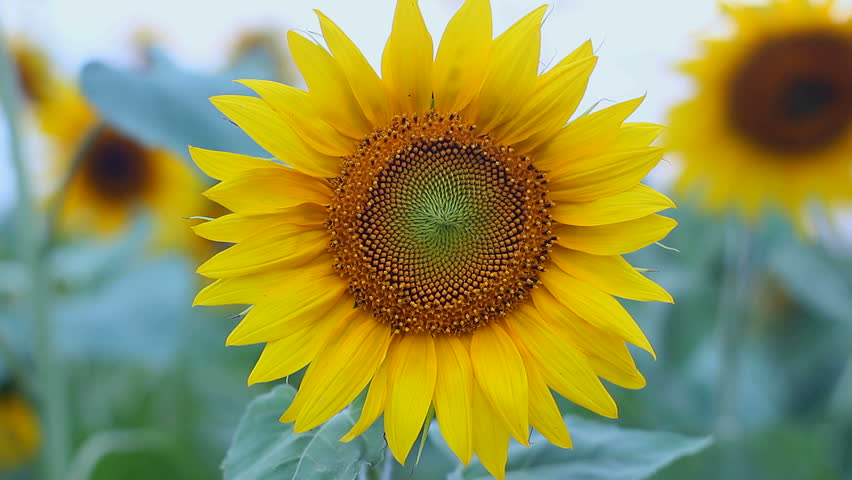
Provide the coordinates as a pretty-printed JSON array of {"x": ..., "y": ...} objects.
[
  {"x": 438, "y": 229},
  {"x": 116, "y": 167},
  {"x": 794, "y": 94}
]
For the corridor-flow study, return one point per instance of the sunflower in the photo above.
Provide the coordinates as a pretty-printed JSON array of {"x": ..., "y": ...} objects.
[
  {"x": 117, "y": 175},
  {"x": 35, "y": 76},
  {"x": 771, "y": 122},
  {"x": 439, "y": 234},
  {"x": 19, "y": 431},
  {"x": 263, "y": 46}
]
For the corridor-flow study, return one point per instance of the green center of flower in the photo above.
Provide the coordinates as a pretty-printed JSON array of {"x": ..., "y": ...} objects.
[
  {"x": 437, "y": 229},
  {"x": 793, "y": 94}
]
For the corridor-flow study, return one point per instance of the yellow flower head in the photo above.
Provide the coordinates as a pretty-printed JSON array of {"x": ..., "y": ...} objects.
[
  {"x": 20, "y": 436},
  {"x": 117, "y": 177},
  {"x": 437, "y": 233},
  {"x": 771, "y": 121}
]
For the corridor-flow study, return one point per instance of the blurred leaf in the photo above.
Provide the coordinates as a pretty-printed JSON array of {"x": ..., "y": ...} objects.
[
  {"x": 784, "y": 451},
  {"x": 166, "y": 106},
  {"x": 262, "y": 61},
  {"x": 437, "y": 460},
  {"x": 14, "y": 278},
  {"x": 264, "y": 448},
  {"x": 83, "y": 263},
  {"x": 812, "y": 280},
  {"x": 135, "y": 317},
  {"x": 841, "y": 398},
  {"x": 601, "y": 452}
]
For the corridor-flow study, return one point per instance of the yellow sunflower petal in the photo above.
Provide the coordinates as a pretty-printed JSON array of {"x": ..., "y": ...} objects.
[
  {"x": 639, "y": 201},
  {"x": 291, "y": 353},
  {"x": 563, "y": 367},
  {"x": 294, "y": 304},
  {"x": 245, "y": 290},
  {"x": 556, "y": 96},
  {"x": 610, "y": 273},
  {"x": 268, "y": 189},
  {"x": 585, "y": 50},
  {"x": 236, "y": 227},
  {"x": 616, "y": 238},
  {"x": 586, "y": 136},
  {"x": 500, "y": 373},
  {"x": 591, "y": 178},
  {"x": 296, "y": 106},
  {"x": 512, "y": 67},
  {"x": 453, "y": 392},
  {"x": 273, "y": 132},
  {"x": 625, "y": 378},
  {"x": 490, "y": 437},
  {"x": 605, "y": 352},
  {"x": 544, "y": 413},
  {"x": 374, "y": 404},
  {"x": 462, "y": 59},
  {"x": 637, "y": 134},
  {"x": 342, "y": 315},
  {"x": 407, "y": 60},
  {"x": 276, "y": 247},
  {"x": 330, "y": 93},
  {"x": 366, "y": 85},
  {"x": 341, "y": 370},
  {"x": 411, "y": 376},
  {"x": 594, "y": 306},
  {"x": 224, "y": 165}
]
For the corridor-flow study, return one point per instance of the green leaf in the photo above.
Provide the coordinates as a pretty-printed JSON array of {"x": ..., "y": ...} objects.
[
  {"x": 601, "y": 452},
  {"x": 165, "y": 106},
  {"x": 264, "y": 448},
  {"x": 136, "y": 316},
  {"x": 264, "y": 61},
  {"x": 813, "y": 280}
]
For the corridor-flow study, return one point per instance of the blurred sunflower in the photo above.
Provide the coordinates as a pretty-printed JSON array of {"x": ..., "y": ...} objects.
[
  {"x": 35, "y": 77},
  {"x": 439, "y": 234},
  {"x": 771, "y": 122},
  {"x": 117, "y": 176},
  {"x": 19, "y": 430},
  {"x": 263, "y": 47}
]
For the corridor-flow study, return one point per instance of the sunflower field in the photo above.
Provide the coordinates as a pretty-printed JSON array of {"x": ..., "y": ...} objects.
[{"x": 426, "y": 239}]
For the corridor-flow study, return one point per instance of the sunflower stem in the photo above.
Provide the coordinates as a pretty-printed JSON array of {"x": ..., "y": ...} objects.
[
  {"x": 28, "y": 229},
  {"x": 54, "y": 210},
  {"x": 733, "y": 324},
  {"x": 387, "y": 466},
  {"x": 103, "y": 444},
  {"x": 13, "y": 363}
]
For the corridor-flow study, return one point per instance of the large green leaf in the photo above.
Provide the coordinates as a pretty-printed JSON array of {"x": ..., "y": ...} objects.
[
  {"x": 264, "y": 448},
  {"x": 813, "y": 280},
  {"x": 166, "y": 106},
  {"x": 135, "y": 316},
  {"x": 601, "y": 452}
]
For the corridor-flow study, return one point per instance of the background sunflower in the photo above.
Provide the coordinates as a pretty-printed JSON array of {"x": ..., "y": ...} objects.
[
  {"x": 116, "y": 176},
  {"x": 771, "y": 120},
  {"x": 19, "y": 427}
]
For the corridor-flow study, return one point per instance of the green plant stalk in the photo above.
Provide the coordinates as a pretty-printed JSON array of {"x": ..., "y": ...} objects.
[
  {"x": 54, "y": 210},
  {"x": 734, "y": 314},
  {"x": 48, "y": 375},
  {"x": 103, "y": 444}
]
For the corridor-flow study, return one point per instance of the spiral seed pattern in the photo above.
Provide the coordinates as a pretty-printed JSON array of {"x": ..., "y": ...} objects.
[{"x": 438, "y": 229}]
